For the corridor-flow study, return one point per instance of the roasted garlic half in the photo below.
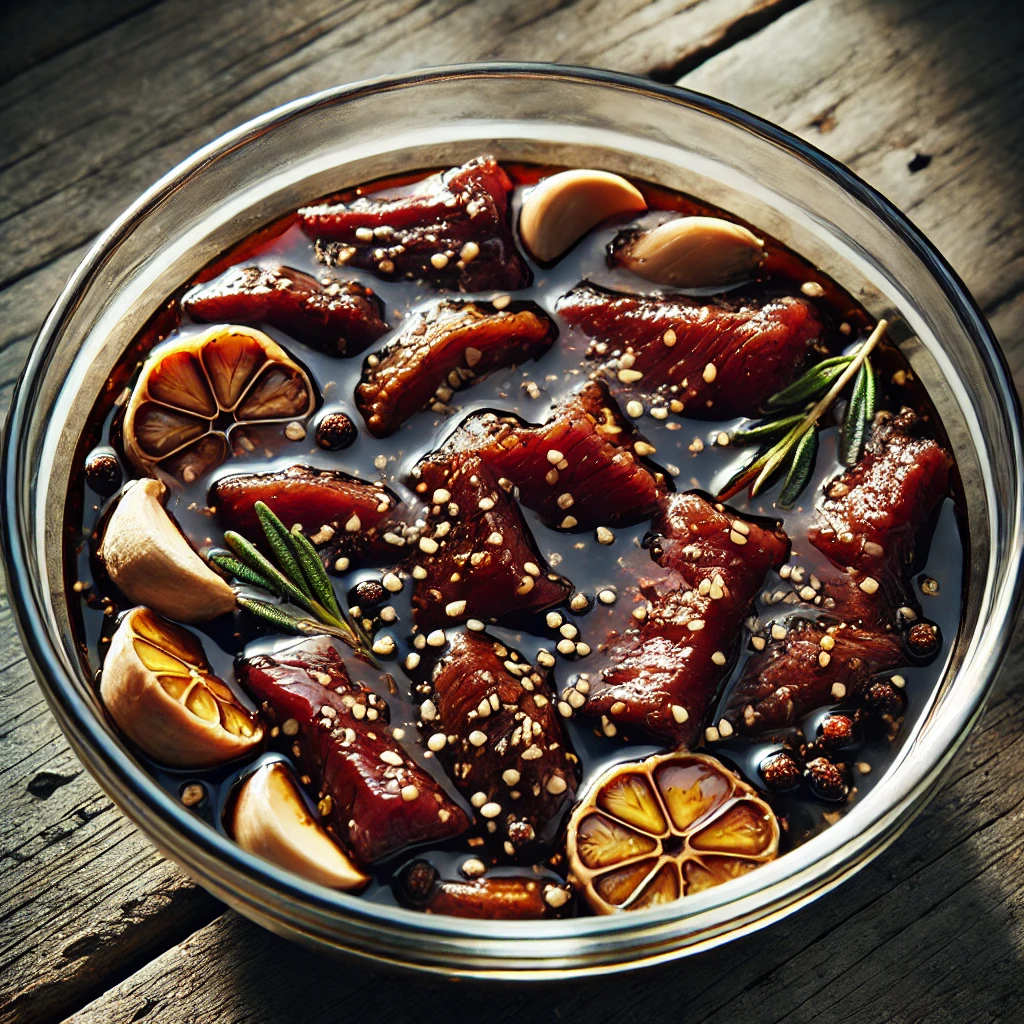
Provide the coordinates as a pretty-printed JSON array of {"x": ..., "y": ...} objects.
[{"x": 159, "y": 688}]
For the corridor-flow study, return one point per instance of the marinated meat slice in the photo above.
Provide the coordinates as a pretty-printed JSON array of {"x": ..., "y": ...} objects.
[
  {"x": 584, "y": 467},
  {"x": 867, "y": 526},
  {"x": 374, "y": 798},
  {"x": 506, "y": 749},
  {"x": 706, "y": 359},
  {"x": 453, "y": 230},
  {"x": 340, "y": 319},
  {"x": 340, "y": 514},
  {"x": 788, "y": 680},
  {"x": 872, "y": 513},
  {"x": 663, "y": 676},
  {"x": 480, "y": 558},
  {"x": 447, "y": 346}
]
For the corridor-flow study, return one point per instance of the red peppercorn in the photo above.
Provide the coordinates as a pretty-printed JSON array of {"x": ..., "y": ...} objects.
[
  {"x": 827, "y": 780},
  {"x": 780, "y": 771}
]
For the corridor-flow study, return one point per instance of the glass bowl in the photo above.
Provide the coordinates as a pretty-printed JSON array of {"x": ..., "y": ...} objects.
[{"x": 552, "y": 115}]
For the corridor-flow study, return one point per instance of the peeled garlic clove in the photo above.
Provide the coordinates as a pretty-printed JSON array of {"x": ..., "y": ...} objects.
[
  {"x": 151, "y": 563},
  {"x": 161, "y": 691},
  {"x": 694, "y": 252},
  {"x": 270, "y": 819},
  {"x": 564, "y": 207}
]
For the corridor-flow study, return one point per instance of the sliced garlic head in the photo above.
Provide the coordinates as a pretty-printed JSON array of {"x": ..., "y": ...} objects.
[
  {"x": 564, "y": 207},
  {"x": 162, "y": 693},
  {"x": 196, "y": 394},
  {"x": 271, "y": 820},
  {"x": 665, "y": 828},
  {"x": 149, "y": 560},
  {"x": 694, "y": 252}
]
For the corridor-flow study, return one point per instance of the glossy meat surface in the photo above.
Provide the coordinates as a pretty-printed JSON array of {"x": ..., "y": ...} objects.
[
  {"x": 446, "y": 347},
  {"x": 586, "y": 466},
  {"x": 452, "y": 229},
  {"x": 716, "y": 361},
  {"x": 872, "y": 513},
  {"x": 340, "y": 514},
  {"x": 480, "y": 558},
  {"x": 664, "y": 675},
  {"x": 339, "y": 319},
  {"x": 373, "y": 797},
  {"x": 868, "y": 526},
  {"x": 510, "y": 756},
  {"x": 787, "y": 680}
]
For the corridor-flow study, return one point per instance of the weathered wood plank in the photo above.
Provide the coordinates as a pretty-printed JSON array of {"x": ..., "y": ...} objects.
[
  {"x": 125, "y": 94},
  {"x": 83, "y": 895}
]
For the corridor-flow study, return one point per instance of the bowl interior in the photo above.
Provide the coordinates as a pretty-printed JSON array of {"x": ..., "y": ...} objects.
[{"x": 548, "y": 116}]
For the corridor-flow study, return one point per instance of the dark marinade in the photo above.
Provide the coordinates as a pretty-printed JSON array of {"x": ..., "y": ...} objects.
[{"x": 789, "y": 757}]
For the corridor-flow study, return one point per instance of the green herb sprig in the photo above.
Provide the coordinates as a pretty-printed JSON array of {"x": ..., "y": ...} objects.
[
  {"x": 298, "y": 579},
  {"x": 798, "y": 448}
]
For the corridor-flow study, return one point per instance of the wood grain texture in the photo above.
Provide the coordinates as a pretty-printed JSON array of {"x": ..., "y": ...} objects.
[{"x": 933, "y": 929}]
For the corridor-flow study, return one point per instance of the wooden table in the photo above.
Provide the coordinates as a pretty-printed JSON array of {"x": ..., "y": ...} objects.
[{"x": 921, "y": 97}]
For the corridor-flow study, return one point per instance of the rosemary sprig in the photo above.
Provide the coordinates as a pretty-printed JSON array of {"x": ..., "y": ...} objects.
[
  {"x": 298, "y": 578},
  {"x": 798, "y": 446}
]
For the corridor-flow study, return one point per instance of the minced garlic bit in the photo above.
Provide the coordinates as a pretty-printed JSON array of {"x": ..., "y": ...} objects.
[{"x": 384, "y": 646}]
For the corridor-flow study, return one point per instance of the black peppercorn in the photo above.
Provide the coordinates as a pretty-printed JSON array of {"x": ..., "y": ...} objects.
[
  {"x": 836, "y": 732},
  {"x": 335, "y": 431},
  {"x": 827, "y": 780},
  {"x": 923, "y": 639},
  {"x": 780, "y": 771},
  {"x": 368, "y": 593},
  {"x": 103, "y": 471},
  {"x": 883, "y": 699}
]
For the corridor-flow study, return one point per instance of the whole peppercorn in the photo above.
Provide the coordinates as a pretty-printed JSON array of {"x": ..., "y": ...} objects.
[
  {"x": 827, "y": 780},
  {"x": 923, "y": 639},
  {"x": 836, "y": 732},
  {"x": 883, "y": 699},
  {"x": 780, "y": 771},
  {"x": 335, "y": 431},
  {"x": 103, "y": 471},
  {"x": 368, "y": 593},
  {"x": 416, "y": 882}
]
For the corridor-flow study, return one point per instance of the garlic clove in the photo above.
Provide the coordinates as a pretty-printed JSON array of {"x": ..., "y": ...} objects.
[
  {"x": 159, "y": 688},
  {"x": 563, "y": 208},
  {"x": 694, "y": 252},
  {"x": 271, "y": 820},
  {"x": 149, "y": 560}
]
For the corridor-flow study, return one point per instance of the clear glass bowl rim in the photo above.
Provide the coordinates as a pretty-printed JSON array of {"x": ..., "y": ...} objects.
[{"x": 456, "y": 946}]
